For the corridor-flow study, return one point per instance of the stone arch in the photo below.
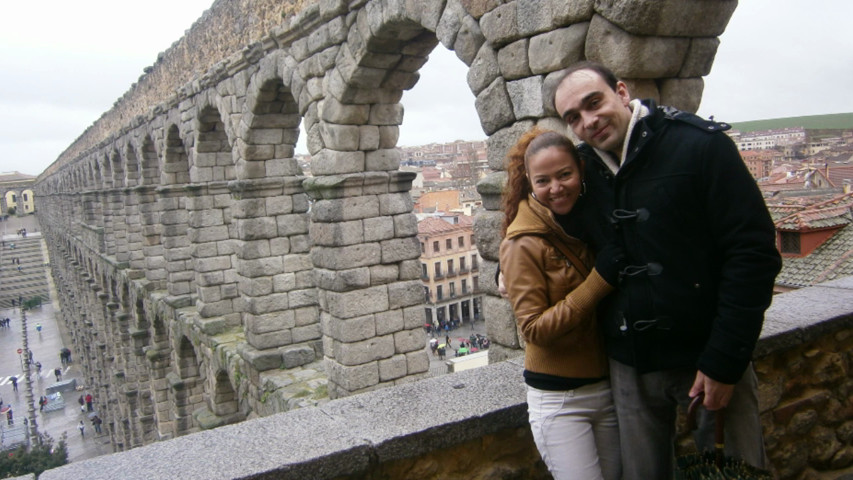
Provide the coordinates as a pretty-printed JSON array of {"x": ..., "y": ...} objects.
[
  {"x": 224, "y": 401},
  {"x": 176, "y": 169},
  {"x": 186, "y": 386},
  {"x": 105, "y": 166},
  {"x": 150, "y": 162},
  {"x": 212, "y": 159},
  {"x": 117, "y": 167},
  {"x": 270, "y": 129},
  {"x": 133, "y": 166}
]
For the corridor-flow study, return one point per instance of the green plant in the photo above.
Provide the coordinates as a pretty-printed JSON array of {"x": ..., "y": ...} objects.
[
  {"x": 39, "y": 457},
  {"x": 11, "y": 210},
  {"x": 31, "y": 303}
]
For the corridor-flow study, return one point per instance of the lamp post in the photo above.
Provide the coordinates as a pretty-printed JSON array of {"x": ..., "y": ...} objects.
[{"x": 31, "y": 409}]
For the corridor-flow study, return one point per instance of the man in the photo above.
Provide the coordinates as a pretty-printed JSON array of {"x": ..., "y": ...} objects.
[{"x": 672, "y": 190}]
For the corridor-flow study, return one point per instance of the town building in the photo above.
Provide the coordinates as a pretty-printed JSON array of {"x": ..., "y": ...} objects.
[
  {"x": 450, "y": 267},
  {"x": 16, "y": 192},
  {"x": 815, "y": 237},
  {"x": 766, "y": 139}
]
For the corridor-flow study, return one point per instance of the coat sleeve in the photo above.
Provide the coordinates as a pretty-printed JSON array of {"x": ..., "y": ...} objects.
[
  {"x": 745, "y": 244},
  {"x": 541, "y": 320}
]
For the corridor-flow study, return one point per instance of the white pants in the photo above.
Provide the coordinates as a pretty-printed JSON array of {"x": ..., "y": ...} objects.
[{"x": 576, "y": 432}]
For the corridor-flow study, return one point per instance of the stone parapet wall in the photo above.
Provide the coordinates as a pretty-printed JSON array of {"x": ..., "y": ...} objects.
[{"x": 473, "y": 424}]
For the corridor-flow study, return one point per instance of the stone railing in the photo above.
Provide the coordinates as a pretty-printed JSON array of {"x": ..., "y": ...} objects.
[{"x": 473, "y": 424}]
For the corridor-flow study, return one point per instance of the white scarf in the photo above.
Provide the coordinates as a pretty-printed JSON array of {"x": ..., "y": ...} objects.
[{"x": 638, "y": 111}]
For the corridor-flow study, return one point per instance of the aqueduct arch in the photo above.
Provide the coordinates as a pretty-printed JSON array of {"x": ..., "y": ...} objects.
[{"x": 202, "y": 267}]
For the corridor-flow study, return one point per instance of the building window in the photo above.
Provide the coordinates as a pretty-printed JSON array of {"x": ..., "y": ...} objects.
[
  {"x": 474, "y": 262},
  {"x": 475, "y": 283},
  {"x": 462, "y": 265},
  {"x": 450, "y": 270},
  {"x": 423, "y": 247},
  {"x": 439, "y": 295},
  {"x": 472, "y": 240},
  {"x": 435, "y": 246},
  {"x": 790, "y": 242},
  {"x": 452, "y": 289},
  {"x": 461, "y": 241},
  {"x": 464, "y": 286},
  {"x": 424, "y": 273},
  {"x": 437, "y": 269},
  {"x": 448, "y": 243},
  {"x": 426, "y": 294}
]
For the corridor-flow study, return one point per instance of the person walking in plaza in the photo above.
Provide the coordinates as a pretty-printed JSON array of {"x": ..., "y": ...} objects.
[
  {"x": 554, "y": 285},
  {"x": 14, "y": 381},
  {"x": 82, "y": 428},
  {"x": 89, "y": 400},
  {"x": 96, "y": 422},
  {"x": 672, "y": 188},
  {"x": 58, "y": 373},
  {"x": 9, "y": 417}
]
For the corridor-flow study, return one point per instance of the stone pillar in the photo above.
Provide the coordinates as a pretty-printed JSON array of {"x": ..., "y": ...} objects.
[
  {"x": 116, "y": 199},
  {"x": 209, "y": 217},
  {"x": 366, "y": 259},
  {"x": 133, "y": 220},
  {"x": 279, "y": 313},
  {"x": 176, "y": 243},
  {"x": 154, "y": 260}
]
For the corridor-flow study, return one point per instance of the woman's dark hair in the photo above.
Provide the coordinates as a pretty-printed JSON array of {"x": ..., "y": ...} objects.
[{"x": 518, "y": 185}]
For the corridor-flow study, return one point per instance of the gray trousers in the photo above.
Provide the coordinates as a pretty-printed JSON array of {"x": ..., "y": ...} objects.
[{"x": 646, "y": 408}]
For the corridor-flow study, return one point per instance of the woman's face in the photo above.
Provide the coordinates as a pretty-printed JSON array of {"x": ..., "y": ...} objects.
[{"x": 555, "y": 178}]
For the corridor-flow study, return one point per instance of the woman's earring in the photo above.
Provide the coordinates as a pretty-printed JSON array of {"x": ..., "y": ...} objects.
[
  {"x": 534, "y": 196},
  {"x": 583, "y": 188}
]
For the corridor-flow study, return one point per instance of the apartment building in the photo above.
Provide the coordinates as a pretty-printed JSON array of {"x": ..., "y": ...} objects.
[{"x": 450, "y": 269}]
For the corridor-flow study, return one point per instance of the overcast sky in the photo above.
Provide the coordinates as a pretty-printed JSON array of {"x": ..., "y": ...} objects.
[{"x": 65, "y": 63}]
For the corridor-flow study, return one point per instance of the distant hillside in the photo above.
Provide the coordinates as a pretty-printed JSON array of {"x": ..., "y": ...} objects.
[{"x": 811, "y": 122}]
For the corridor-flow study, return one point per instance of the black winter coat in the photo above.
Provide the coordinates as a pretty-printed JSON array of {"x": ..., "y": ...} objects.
[{"x": 700, "y": 242}]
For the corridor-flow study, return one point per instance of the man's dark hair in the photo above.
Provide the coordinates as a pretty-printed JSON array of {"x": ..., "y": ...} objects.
[{"x": 605, "y": 73}]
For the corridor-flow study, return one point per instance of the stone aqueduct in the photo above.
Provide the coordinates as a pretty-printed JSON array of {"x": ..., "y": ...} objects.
[{"x": 205, "y": 278}]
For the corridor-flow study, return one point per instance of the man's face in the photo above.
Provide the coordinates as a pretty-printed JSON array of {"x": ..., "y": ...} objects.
[{"x": 596, "y": 114}]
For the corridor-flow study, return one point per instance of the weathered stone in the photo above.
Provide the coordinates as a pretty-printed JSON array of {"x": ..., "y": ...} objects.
[
  {"x": 526, "y": 97},
  {"x": 682, "y": 93},
  {"x": 468, "y": 40},
  {"x": 672, "y": 18},
  {"x": 632, "y": 56},
  {"x": 558, "y": 49},
  {"x": 513, "y": 61},
  {"x": 500, "y": 26},
  {"x": 484, "y": 69},
  {"x": 494, "y": 107},
  {"x": 700, "y": 57},
  {"x": 500, "y": 142}
]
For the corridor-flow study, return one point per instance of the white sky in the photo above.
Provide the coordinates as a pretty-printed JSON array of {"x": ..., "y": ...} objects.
[{"x": 65, "y": 63}]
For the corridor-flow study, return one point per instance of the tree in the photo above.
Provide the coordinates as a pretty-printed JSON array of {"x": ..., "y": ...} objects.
[
  {"x": 32, "y": 303},
  {"x": 40, "y": 457}
]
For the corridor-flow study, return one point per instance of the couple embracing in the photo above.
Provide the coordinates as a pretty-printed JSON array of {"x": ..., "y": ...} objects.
[{"x": 639, "y": 266}]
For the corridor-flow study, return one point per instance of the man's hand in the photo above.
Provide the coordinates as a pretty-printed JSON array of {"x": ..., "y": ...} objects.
[{"x": 717, "y": 395}]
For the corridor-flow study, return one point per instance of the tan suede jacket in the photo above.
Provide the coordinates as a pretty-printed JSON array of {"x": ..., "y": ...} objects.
[{"x": 554, "y": 305}]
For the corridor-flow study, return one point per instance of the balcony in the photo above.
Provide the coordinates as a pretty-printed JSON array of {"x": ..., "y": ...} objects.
[{"x": 451, "y": 273}]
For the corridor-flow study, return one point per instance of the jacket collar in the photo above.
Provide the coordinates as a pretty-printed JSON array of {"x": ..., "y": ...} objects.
[{"x": 533, "y": 218}]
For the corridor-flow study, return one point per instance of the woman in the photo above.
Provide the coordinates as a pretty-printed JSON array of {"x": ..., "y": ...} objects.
[{"x": 554, "y": 290}]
